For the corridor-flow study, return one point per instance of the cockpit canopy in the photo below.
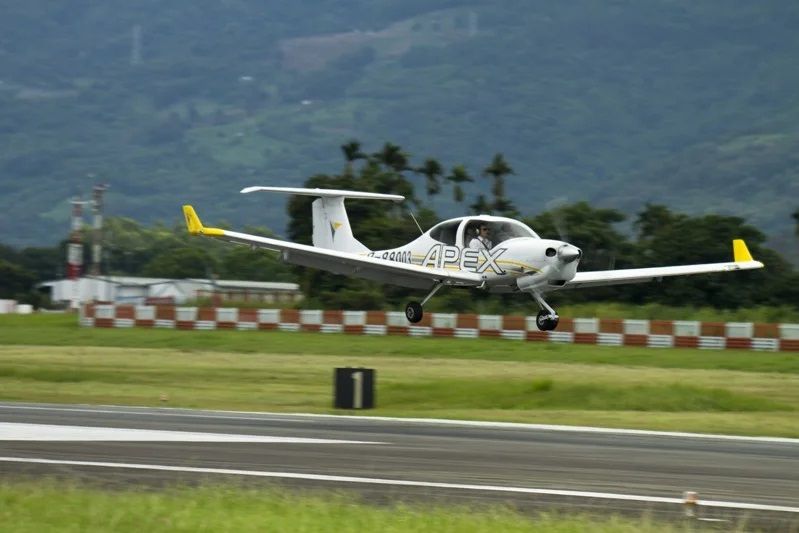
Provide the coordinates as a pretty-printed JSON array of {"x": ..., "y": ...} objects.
[{"x": 460, "y": 232}]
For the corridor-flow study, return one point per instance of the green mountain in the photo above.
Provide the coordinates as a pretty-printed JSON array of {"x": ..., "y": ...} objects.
[{"x": 620, "y": 103}]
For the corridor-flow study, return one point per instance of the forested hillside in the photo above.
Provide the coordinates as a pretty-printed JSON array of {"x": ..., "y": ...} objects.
[
  {"x": 691, "y": 105},
  {"x": 660, "y": 236}
]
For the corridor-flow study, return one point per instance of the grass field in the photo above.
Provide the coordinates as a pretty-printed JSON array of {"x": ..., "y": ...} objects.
[
  {"x": 62, "y": 330},
  {"x": 50, "y": 359},
  {"x": 50, "y": 506}
]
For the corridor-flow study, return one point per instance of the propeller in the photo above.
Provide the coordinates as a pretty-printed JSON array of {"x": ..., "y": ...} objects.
[{"x": 553, "y": 206}]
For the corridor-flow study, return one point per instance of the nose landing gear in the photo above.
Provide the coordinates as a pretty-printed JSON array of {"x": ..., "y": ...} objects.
[
  {"x": 547, "y": 318},
  {"x": 546, "y": 321}
]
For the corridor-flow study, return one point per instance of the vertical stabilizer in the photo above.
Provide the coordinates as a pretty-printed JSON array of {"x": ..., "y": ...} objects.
[{"x": 331, "y": 227}]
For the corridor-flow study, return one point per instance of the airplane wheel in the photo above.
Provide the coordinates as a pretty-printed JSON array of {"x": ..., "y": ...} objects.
[
  {"x": 413, "y": 312},
  {"x": 541, "y": 320},
  {"x": 545, "y": 322}
]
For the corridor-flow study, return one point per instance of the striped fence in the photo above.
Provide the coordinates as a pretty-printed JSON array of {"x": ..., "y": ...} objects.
[{"x": 598, "y": 331}]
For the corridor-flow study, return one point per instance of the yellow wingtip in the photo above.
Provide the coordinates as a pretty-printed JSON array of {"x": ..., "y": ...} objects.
[
  {"x": 195, "y": 226},
  {"x": 740, "y": 252},
  {"x": 193, "y": 223}
]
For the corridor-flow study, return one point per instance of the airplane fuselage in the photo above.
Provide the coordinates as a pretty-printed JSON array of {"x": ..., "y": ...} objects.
[{"x": 517, "y": 253}]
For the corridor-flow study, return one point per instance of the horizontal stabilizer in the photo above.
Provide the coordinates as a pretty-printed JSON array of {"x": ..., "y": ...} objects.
[{"x": 329, "y": 193}]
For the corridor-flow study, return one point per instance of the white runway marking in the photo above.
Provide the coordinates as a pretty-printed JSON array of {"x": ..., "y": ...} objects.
[
  {"x": 310, "y": 417},
  {"x": 402, "y": 482},
  {"x": 47, "y": 432}
]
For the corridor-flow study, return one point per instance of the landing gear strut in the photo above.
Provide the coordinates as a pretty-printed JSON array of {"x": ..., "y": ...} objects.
[
  {"x": 547, "y": 318},
  {"x": 413, "y": 311}
]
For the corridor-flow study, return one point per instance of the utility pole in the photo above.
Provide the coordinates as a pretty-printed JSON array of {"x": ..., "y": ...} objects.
[
  {"x": 75, "y": 250},
  {"x": 97, "y": 229}
]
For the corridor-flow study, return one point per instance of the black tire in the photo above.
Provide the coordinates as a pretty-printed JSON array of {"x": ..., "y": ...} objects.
[
  {"x": 413, "y": 312},
  {"x": 544, "y": 322},
  {"x": 541, "y": 320}
]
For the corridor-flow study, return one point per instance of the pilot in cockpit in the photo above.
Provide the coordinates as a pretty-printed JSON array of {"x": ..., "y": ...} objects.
[{"x": 482, "y": 239}]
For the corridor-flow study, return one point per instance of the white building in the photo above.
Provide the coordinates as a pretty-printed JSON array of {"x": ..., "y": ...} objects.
[
  {"x": 133, "y": 290},
  {"x": 11, "y": 306}
]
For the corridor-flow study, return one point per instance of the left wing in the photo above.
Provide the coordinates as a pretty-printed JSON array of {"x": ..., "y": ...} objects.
[
  {"x": 742, "y": 260},
  {"x": 338, "y": 262}
]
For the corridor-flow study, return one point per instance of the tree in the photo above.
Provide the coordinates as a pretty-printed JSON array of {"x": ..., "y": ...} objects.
[
  {"x": 254, "y": 265},
  {"x": 179, "y": 263},
  {"x": 352, "y": 152},
  {"x": 591, "y": 229},
  {"x": 497, "y": 170},
  {"x": 676, "y": 239},
  {"x": 393, "y": 157},
  {"x": 457, "y": 176},
  {"x": 654, "y": 218},
  {"x": 481, "y": 206},
  {"x": 503, "y": 206},
  {"x": 431, "y": 170},
  {"x": 376, "y": 224},
  {"x": 14, "y": 280}
]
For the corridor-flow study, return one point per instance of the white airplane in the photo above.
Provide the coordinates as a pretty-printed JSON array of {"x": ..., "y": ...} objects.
[{"x": 509, "y": 257}]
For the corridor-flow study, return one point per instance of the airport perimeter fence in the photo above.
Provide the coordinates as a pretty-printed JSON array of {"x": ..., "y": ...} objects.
[{"x": 596, "y": 331}]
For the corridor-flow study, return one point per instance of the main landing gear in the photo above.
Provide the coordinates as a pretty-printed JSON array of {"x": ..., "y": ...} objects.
[
  {"x": 547, "y": 318},
  {"x": 413, "y": 311}
]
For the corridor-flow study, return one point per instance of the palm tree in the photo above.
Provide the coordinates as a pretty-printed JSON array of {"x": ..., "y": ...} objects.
[
  {"x": 393, "y": 157},
  {"x": 481, "y": 206},
  {"x": 505, "y": 207},
  {"x": 352, "y": 152},
  {"x": 431, "y": 169},
  {"x": 457, "y": 176},
  {"x": 498, "y": 169}
]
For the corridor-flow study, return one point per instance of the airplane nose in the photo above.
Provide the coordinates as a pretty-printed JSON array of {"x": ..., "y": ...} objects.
[{"x": 568, "y": 253}]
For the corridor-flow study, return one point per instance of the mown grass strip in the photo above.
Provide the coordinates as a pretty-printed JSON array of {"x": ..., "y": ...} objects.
[
  {"x": 27, "y": 506},
  {"x": 705, "y": 401},
  {"x": 547, "y": 394},
  {"x": 62, "y": 330}
]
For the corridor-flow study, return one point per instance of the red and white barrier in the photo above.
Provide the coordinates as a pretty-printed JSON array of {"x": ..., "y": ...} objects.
[{"x": 598, "y": 331}]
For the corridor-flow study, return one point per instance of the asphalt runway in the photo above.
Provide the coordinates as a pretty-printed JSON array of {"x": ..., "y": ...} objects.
[{"x": 385, "y": 460}]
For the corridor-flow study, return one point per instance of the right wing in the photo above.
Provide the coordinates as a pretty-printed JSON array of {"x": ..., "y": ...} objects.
[
  {"x": 742, "y": 260},
  {"x": 338, "y": 262}
]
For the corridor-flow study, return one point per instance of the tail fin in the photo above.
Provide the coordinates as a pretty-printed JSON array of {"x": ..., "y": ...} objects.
[{"x": 331, "y": 226}]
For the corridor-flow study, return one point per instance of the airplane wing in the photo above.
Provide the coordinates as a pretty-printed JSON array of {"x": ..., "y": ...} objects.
[
  {"x": 338, "y": 262},
  {"x": 742, "y": 260}
]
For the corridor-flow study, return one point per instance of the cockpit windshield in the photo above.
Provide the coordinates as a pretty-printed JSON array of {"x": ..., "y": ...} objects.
[{"x": 492, "y": 232}]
